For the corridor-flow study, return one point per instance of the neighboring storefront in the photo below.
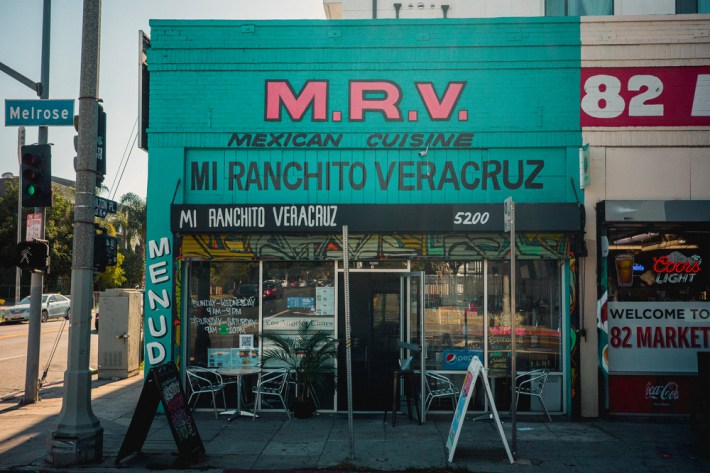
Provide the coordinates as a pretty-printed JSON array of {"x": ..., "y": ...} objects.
[
  {"x": 266, "y": 138},
  {"x": 655, "y": 310},
  {"x": 645, "y": 112}
]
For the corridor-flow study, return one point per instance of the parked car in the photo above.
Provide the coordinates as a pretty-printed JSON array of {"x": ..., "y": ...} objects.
[
  {"x": 272, "y": 290},
  {"x": 53, "y": 306}
]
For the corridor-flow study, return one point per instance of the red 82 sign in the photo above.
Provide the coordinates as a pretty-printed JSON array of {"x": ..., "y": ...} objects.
[
  {"x": 645, "y": 96},
  {"x": 620, "y": 337}
]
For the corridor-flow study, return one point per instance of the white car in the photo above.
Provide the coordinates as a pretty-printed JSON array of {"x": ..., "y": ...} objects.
[{"x": 53, "y": 306}]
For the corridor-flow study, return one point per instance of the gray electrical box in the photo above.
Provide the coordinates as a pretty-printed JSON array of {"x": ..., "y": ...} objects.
[{"x": 120, "y": 333}]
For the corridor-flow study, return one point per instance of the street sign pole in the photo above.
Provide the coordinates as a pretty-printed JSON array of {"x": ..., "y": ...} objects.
[
  {"x": 510, "y": 226},
  {"x": 18, "y": 271},
  {"x": 78, "y": 438},
  {"x": 37, "y": 278}
]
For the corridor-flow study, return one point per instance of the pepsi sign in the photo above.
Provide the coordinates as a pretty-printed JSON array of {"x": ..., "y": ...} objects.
[{"x": 459, "y": 359}]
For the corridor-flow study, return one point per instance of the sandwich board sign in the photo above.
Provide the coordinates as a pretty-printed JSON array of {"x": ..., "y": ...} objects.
[
  {"x": 475, "y": 369},
  {"x": 162, "y": 386}
]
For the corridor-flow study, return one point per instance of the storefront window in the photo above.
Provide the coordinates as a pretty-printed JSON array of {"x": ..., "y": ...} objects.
[
  {"x": 459, "y": 314},
  {"x": 537, "y": 319},
  {"x": 297, "y": 292},
  {"x": 293, "y": 290},
  {"x": 658, "y": 316},
  {"x": 658, "y": 292},
  {"x": 453, "y": 314},
  {"x": 224, "y": 314},
  {"x": 578, "y": 7}
]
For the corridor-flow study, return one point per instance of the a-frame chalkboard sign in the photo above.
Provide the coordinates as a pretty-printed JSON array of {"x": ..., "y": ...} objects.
[
  {"x": 474, "y": 371},
  {"x": 162, "y": 385}
]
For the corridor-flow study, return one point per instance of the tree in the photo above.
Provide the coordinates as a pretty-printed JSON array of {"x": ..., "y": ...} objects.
[
  {"x": 113, "y": 276},
  {"x": 131, "y": 220},
  {"x": 61, "y": 243},
  {"x": 8, "y": 242},
  {"x": 57, "y": 232}
]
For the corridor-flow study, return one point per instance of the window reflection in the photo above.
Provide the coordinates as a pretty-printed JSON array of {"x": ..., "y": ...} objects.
[
  {"x": 537, "y": 318},
  {"x": 224, "y": 314},
  {"x": 461, "y": 319}
]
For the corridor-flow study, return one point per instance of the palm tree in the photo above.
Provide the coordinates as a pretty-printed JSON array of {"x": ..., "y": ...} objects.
[
  {"x": 130, "y": 221},
  {"x": 309, "y": 356},
  {"x": 133, "y": 208}
]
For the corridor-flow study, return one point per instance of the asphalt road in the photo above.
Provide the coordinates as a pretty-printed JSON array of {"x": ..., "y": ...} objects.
[{"x": 13, "y": 354}]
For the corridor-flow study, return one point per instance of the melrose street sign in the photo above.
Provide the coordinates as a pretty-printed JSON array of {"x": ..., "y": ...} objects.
[{"x": 39, "y": 112}]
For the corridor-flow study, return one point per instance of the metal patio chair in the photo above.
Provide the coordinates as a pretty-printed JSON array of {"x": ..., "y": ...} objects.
[
  {"x": 205, "y": 381},
  {"x": 532, "y": 384},
  {"x": 273, "y": 383},
  {"x": 439, "y": 386}
]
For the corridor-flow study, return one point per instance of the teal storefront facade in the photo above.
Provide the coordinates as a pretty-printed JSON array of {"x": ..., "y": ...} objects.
[{"x": 266, "y": 138}]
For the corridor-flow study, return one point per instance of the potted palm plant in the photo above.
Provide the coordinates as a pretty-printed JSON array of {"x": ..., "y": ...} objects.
[{"x": 310, "y": 356}]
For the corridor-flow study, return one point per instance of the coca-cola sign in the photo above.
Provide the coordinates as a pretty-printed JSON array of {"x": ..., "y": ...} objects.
[
  {"x": 662, "y": 394},
  {"x": 650, "y": 394}
]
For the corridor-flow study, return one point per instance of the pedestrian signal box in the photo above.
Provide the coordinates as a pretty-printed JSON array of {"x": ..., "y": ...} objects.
[
  {"x": 33, "y": 255},
  {"x": 105, "y": 251}
]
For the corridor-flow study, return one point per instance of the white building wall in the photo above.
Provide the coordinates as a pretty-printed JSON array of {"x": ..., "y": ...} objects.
[
  {"x": 362, "y": 9},
  {"x": 649, "y": 163}
]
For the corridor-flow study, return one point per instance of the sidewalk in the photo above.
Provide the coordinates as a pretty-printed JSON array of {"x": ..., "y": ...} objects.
[{"x": 274, "y": 443}]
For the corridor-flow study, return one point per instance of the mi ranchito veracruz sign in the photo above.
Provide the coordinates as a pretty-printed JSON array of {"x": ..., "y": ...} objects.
[
  {"x": 375, "y": 218},
  {"x": 317, "y": 145}
]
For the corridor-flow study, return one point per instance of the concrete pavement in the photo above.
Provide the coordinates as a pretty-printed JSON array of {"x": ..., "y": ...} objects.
[{"x": 323, "y": 442}]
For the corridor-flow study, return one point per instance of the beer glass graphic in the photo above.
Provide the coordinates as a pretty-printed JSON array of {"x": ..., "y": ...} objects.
[{"x": 625, "y": 270}]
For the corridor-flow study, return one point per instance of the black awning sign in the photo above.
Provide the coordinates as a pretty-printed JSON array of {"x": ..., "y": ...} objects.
[{"x": 375, "y": 218}]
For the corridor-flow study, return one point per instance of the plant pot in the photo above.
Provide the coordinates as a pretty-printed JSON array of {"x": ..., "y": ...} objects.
[{"x": 303, "y": 409}]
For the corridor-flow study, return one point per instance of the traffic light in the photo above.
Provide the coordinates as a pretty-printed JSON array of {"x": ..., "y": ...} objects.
[
  {"x": 105, "y": 248},
  {"x": 36, "y": 175},
  {"x": 100, "y": 144},
  {"x": 33, "y": 255}
]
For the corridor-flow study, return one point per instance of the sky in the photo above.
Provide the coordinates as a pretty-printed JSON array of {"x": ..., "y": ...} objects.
[{"x": 21, "y": 50}]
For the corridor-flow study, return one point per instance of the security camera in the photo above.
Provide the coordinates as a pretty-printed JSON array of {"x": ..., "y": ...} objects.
[{"x": 425, "y": 152}]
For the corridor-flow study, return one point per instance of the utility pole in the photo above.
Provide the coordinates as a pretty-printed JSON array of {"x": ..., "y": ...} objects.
[
  {"x": 79, "y": 435},
  {"x": 34, "y": 333}
]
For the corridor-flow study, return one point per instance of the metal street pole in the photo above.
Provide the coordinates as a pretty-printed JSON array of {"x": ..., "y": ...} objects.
[
  {"x": 79, "y": 435},
  {"x": 18, "y": 271},
  {"x": 513, "y": 368},
  {"x": 34, "y": 331},
  {"x": 348, "y": 341}
]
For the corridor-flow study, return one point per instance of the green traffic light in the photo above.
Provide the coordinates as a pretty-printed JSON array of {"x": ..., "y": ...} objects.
[{"x": 31, "y": 190}]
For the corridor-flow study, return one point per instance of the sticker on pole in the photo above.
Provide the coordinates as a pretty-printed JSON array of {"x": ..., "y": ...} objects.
[
  {"x": 508, "y": 214},
  {"x": 34, "y": 227}
]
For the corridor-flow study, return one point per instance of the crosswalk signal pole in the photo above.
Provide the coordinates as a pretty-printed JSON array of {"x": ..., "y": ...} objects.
[{"x": 34, "y": 332}]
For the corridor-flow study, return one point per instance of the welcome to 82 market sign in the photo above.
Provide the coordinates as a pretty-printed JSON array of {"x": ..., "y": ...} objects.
[{"x": 657, "y": 337}]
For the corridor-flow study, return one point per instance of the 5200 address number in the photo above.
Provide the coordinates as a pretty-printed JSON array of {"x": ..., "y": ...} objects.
[{"x": 471, "y": 218}]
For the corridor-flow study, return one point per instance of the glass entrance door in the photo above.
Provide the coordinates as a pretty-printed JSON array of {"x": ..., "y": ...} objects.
[
  {"x": 375, "y": 333},
  {"x": 412, "y": 317}
]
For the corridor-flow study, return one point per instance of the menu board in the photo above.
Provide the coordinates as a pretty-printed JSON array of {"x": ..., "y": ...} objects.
[
  {"x": 232, "y": 357},
  {"x": 325, "y": 300},
  {"x": 498, "y": 364},
  {"x": 162, "y": 385}
]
